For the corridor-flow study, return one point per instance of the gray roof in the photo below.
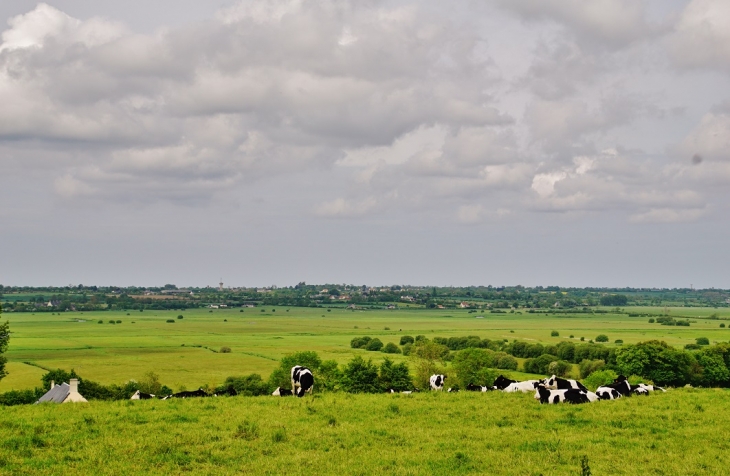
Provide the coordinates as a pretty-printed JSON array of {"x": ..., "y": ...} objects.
[{"x": 57, "y": 394}]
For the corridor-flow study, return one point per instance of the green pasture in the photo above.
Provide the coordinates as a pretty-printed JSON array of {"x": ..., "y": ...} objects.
[
  {"x": 683, "y": 431},
  {"x": 144, "y": 341}
]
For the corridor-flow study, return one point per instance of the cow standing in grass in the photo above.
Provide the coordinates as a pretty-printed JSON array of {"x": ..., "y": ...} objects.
[{"x": 302, "y": 381}]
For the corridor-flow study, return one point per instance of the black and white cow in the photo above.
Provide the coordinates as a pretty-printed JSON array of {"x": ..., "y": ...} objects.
[
  {"x": 195, "y": 393},
  {"x": 302, "y": 381},
  {"x": 607, "y": 393},
  {"x": 648, "y": 388},
  {"x": 437, "y": 382},
  {"x": 621, "y": 385},
  {"x": 502, "y": 382},
  {"x": 478, "y": 388},
  {"x": 571, "y": 395},
  {"x": 282, "y": 392},
  {"x": 557, "y": 383}
]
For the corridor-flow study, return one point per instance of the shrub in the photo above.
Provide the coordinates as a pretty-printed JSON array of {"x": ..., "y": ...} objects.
[
  {"x": 225, "y": 350},
  {"x": 406, "y": 340},
  {"x": 360, "y": 376},
  {"x": 100, "y": 321},
  {"x": 599, "y": 378},
  {"x": 386, "y": 328},
  {"x": 250, "y": 385},
  {"x": 602, "y": 338},
  {"x": 651, "y": 321},
  {"x": 618, "y": 341},
  {"x": 360, "y": 342},
  {"x": 692, "y": 347},
  {"x": 657, "y": 361},
  {"x": 281, "y": 376},
  {"x": 504, "y": 361},
  {"x": 582, "y": 339},
  {"x": 614, "y": 300},
  {"x": 702, "y": 341},
  {"x": 588, "y": 367},
  {"x": 407, "y": 349},
  {"x": 540, "y": 364},
  {"x": 118, "y": 321},
  {"x": 561, "y": 368},
  {"x": 112, "y": 321},
  {"x": 722, "y": 325},
  {"x": 395, "y": 376},
  {"x": 171, "y": 321},
  {"x": 421, "y": 338},
  {"x": 181, "y": 316},
  {"x": 474, "y": 366},
  {"x": 555, "y": 334},
  {"x": 150, "y": 384},
  {"x": 391, "y": 348},
  {"x": 374, "y": 345}
]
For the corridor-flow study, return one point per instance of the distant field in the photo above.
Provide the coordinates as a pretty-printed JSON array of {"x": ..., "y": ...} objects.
[
  {"x": 144, "y": 341},
  {"x": 683, "y": 431}
]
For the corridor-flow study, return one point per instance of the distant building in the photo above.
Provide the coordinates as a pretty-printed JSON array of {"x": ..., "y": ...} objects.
[{"x": 64, "y": 393}]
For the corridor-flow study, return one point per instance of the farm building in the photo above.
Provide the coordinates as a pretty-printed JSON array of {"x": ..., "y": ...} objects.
[{"x": 64, "y": 393}]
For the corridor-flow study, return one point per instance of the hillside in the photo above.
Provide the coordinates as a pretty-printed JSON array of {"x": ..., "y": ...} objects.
[{"x": 683, "y": 431}]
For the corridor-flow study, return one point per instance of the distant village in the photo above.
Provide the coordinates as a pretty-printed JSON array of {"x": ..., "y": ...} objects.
[{"x": 493, "y": 299}]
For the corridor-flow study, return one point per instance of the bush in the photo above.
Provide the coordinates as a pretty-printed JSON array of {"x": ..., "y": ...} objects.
[
  {"x": 406, "y": 340},
  {"x": 474, "y": 366},
  {"x": 180, "y": 316},
  {"x": 171, "y": 321},
  {"x": 504, "y": 361},
  {"x": 602, "y": 338},
  {"x": 614, "y": 300},
  {"x": 657, "y": 361},
  {"x": 225, "y": 350},
  {"x": 20, "y": 397},
  {"x": 281, "y": 376},
  {"x": 391, "y": 348},
  {"x": 560, "y": 368},
  {"x": 360, "y": 342},
  {"x": 599, "y": 378},
  {"x": 540, "y": 364},
  {"x": 250, "y": 386},
  {"x": 360, "y": 376},
  {"x": 111, "y": 321},
  {"x": 395, "y": 376},
  {"x": 722, "y": 325},
  {"x": 582, "y": 339},
  {"x": 702, "y": 341},
  {"x": 651, "y": 321},
  {"x": 618, "y": 341},
  {"x": 555, "y": 334},
  {"x": 118, "y": 321},
  {"x": 407, "y": 349},
  {"x": 100, "y": 321},
  {"x": 692, "y": 347},
  {"x": 588, "y": 367},
  {"x": 374, "y": 345},
  {"x": 421, "y": 338}
]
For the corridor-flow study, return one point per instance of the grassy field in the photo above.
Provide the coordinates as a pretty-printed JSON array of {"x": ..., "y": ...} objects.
[
  {"x": 683, "y": 431},
  {"x": 177, "y": 351}
]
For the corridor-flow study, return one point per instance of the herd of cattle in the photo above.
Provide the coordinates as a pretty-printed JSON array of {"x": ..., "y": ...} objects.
[{"x": 549, "y": 390}]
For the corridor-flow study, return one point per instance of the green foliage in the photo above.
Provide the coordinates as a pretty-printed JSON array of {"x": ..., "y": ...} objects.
[
  {"x": 406, "y": 340},
  {"x": 225, "y": 350},
  {"x": 360, "y": 342},
  {"x": 474, "y": 366},
  {"x": 374, "y": 345},
  {"x": 180, "y": 316},
  {"x": 391, "y": 348},
  {"x": 554, "y": 334},
  {"x": 20, "y": 397},
  {"x": 250, "y": 385},
  {"x": 657, "y": 361},
  {"x": 599, "y": 378},
  {"x": 407, "y": 349},
  {"x": 560, "y": 368},
  {"x": 587, "y": 367},
  {"x": 715, "y": 372},
  {"x": 170, "y": 321},
  {"x": 602, "y": 338},
  {"x": 540, "y": 365},
  {"x": 329, "y": 376},
  {"x": 651, "y": 321},
  {"x": 614, "y": 300},
  {"x": 702, "y": 341},
  {"x": 360, "y": 376},
  {"x": 150, "y": 384},
  {"x": 394, "y": 376}
]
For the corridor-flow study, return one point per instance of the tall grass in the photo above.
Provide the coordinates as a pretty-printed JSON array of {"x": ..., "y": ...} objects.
[{"x": 683, "y": 431}]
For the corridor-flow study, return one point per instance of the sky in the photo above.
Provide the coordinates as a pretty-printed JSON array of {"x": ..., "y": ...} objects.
[{"x": 502, "y": 142}]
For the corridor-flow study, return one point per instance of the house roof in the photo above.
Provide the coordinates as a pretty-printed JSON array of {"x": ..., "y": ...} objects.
[{"x": 57, "y": 394}]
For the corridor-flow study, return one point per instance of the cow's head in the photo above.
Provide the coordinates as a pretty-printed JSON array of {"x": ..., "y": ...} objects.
[{"x": 620, "y": 378}]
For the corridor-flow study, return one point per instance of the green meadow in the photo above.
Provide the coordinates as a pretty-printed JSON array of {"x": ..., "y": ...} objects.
[
  {"x": 184, "y": 353},
  {"x": 682, "y": 431}
]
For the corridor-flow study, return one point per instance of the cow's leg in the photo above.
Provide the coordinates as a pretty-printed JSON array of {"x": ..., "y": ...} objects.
[{"x": 293, "y": 387}]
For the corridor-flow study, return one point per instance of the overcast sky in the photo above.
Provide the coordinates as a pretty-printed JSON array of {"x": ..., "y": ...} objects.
[{"x": 534, "y": 142}]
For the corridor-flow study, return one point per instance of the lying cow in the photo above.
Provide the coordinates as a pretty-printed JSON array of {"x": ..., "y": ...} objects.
[
  {"x": 302, "y": 381},
  {"x": 437, "y": 382},
  {"x": 648, "y": 388},
  {"x": 195, "y": 393},
  {"x": 282, "y": 392},
  {"x": 511, "y": 386},
  {"x": 607, "y": 393},
  {"x": 478, "y": 388},
  {"x": 142, "y": 396},
  {"x": 557, "y": 383},
  {"x": 571, "y": 395}
]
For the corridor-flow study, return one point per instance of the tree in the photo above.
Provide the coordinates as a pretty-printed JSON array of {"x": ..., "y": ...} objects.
[
  {"x": 657, "y": 361},
  {"x": 614, "y": 300},
  {"x": 374, "y": 345},
  {"x": 602, "y": 338},
  {"x": 4, "y": 340},
  {"x": 360, "y": 376},
  {"x": 474, "y": 366},
  {"x": 426, "y": 355},
  {"x": 391, "y": 348},
  {"x": 406, "y": 340},
  {"x": 394, "y": 376}
]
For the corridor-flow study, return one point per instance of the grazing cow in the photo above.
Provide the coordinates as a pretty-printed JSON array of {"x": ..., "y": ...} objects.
[
  {"x": 302, "y": 380},
  {"x": 282, "y": 392},
  {"x": 557, "y": 383},
  {"x": 437, "y": 382},
  {"x": 571, "y": 395},
  {"x": 478, "y": 388},
  {"x": 524, "y": 387},
  {"x": 607, "y": 393}
]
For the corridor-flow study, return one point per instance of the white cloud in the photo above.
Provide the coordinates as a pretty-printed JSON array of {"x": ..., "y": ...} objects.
[{"x": 702, "y": 35}]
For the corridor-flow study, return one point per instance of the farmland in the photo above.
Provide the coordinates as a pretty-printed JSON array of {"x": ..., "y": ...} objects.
[
  {"x": 184, "y": 353},
  {"x": 679, "y": 432}
]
